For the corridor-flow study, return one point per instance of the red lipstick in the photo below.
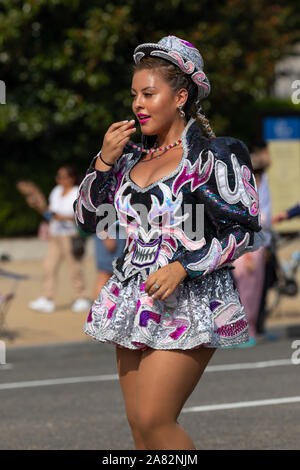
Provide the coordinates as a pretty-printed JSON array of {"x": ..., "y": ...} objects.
[{"x": 143, "y": 118}]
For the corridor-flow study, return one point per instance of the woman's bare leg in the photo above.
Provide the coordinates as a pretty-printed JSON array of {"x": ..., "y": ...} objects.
[
  {"x": 128, "y": 364},
  {"x": 165, "y": 380}
]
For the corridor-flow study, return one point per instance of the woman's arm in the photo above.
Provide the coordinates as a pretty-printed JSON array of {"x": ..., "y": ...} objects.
[
  {"x": 230, "y": 199},
  {"x": 62, "y": 217},
  {"x": 293, "y": 211},
  {"x": 288, "y": 214},
  {"x": 102, "y": 180},
  {"x": 98, "y": 187}
]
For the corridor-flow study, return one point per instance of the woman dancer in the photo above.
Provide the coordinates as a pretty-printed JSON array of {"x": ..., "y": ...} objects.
[{"x": 171, "y": 300}]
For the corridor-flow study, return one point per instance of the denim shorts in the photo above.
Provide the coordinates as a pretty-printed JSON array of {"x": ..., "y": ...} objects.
[{"x": 104, "y": 258}]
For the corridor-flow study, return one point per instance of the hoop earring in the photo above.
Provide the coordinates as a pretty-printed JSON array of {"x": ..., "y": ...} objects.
[{"x": 181, "y": 112}]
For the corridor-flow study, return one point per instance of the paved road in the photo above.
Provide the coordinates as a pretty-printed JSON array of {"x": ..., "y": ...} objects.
[{"x": 67, "y": 396}]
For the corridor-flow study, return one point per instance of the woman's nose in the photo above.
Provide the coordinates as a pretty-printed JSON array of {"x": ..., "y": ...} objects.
[{"x": 138, "y": 103}]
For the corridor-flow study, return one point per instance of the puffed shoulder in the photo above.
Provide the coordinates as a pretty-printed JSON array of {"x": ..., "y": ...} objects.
[{"x": 224, "y": 147}]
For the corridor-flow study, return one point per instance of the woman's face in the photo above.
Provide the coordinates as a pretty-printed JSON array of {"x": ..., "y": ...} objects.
[
  {"x": 64, "y": 179},
  {"x": 154, "y": 103}
]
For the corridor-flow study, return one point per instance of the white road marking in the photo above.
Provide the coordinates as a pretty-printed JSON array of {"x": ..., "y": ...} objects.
[
  {"x": 6, "y": 366},
  {"x": 249, "y": 365},
  {"x": 242, "y": 404},
  {"x": 64, "y": 381},
  {"x": 108, "y": 377}
]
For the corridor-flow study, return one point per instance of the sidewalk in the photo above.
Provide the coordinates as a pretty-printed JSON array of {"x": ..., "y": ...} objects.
[
  {"x": 30, "y": 248},
  {"x": 24, "y": 326}
]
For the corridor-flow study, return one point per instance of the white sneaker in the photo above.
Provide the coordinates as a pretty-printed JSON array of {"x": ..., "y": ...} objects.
[
  {"x": 81, "y": 304},
  {"x": 42, "y": 304}
]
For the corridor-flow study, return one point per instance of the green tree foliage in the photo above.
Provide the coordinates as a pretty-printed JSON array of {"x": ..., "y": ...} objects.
[{"x": 67, "y": 69}]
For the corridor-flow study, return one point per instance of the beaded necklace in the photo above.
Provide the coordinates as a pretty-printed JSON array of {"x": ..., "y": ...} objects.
[{"x": 156, "y": 148}]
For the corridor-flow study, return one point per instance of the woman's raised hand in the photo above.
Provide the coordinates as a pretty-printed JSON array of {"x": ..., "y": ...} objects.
[{"x": 117, "y": 135}]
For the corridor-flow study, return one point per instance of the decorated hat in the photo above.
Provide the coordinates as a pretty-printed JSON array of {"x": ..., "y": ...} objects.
[{"x": 181, "y": 53}]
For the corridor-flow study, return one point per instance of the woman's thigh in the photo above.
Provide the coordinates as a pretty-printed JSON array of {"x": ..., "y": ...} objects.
[
  {"x": 165, "y": 380},
  {"x": 128, "y": 362}
]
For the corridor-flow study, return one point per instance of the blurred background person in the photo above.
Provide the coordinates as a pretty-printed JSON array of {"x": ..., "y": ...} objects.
[
  {"x": 250, "y": 269},
  {"x": 63, "y": 244},
  {"x": 261, "y": 160},
  {"x": 288, "y": 214}
]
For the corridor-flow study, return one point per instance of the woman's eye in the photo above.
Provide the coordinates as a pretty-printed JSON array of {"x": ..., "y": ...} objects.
[{"x": 145, "y": 94}]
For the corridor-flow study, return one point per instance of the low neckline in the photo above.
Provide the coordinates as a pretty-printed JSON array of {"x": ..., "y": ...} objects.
[
  {"x": 154, "y": 183},
  {"x": 169, "y": 175}
]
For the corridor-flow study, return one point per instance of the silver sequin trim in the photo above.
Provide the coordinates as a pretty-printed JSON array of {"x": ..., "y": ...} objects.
[{"x": 203, "y": 311}]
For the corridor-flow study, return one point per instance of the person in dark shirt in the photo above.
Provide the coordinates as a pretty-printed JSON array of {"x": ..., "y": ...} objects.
[{"x": 287, "y": 215}]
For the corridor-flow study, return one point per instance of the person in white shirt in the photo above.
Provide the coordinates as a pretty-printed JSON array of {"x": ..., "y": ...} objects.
[{"x": 62, "y": 228}]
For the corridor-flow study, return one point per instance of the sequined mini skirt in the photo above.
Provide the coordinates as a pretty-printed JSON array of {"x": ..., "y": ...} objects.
[{"x": 206, "y": 311}]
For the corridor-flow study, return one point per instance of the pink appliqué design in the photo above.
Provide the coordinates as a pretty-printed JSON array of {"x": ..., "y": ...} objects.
[
  {"x": 187, "y": 67},
  {"x": 180, "y": 326},
  {"x": 199, "y": 78},
  {"x": 217, "y": 257},
  {"x": 146, "y": 312},
  {"x": 223, "y": 312},
  {"x": 195, "y": 173},
  {"x": 108, "y": 300},
  {"x": 246, "y": 175},
  {"x": 233, "y": 329}
]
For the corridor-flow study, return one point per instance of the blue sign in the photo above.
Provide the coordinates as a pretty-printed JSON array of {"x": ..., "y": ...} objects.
[{"x": 281, "y": 128}]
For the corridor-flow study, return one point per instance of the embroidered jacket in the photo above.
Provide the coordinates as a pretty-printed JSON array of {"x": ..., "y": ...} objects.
[{"x": 213, "y": 174}]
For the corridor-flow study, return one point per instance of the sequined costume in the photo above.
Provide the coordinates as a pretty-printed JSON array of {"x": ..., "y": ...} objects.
[{"x": 205, "y": 308}]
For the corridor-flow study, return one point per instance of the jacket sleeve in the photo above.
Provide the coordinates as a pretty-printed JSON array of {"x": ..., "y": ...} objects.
[
  {"x": 224, "y": 183},
  {"x": 98, "y": 187},
  {"x": 294, "y": 211}
]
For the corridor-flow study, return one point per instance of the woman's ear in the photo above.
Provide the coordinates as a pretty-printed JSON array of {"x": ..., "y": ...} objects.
[{"x": 182, "y": 96}]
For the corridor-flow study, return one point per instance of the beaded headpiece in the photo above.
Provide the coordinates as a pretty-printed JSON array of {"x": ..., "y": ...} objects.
[{"x": 181, "y": 53}]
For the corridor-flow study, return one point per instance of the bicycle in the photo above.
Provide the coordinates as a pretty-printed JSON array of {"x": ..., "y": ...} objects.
[
  {"x": 6, "y": 299},
  {"x": 285, "y": 283}
]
